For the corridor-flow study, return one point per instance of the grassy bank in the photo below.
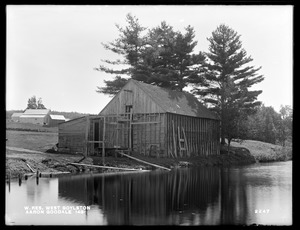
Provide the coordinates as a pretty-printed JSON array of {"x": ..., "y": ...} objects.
[
  {"x": 266, "y": 152},
  {"x": 40, "y": 141}
]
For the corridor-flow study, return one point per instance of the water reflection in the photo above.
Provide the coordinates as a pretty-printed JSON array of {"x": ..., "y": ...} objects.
[
  {"x": 195, "y": 196},
  {"x": 162, "y": 198}
]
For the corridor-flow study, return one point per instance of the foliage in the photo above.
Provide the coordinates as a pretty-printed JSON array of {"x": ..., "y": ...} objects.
[
  {"x": 112, "y": 87},
  {"x": 269, "y": 126},
  {"x": 159, "y": 56},
  {"x": 35, "y": 104},
  {"x": 227, "y": 80}
]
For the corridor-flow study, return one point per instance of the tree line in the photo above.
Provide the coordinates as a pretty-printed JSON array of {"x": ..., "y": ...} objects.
[
  {"x": 220, "y": 78},
  {"x": 267, "y": 125}
]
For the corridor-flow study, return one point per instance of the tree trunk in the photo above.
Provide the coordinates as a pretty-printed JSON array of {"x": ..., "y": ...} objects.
[
  {"x": 222, "y": 119},
  {"x": 228, "y": 147},
  {"x": 223, "y": 142}
]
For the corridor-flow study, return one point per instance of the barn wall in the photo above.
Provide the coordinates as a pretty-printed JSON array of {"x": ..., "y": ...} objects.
[
  {"x": 35, "y": 120},
  {"x": 131, "y": 95},
  {"x": 55, "y": 122},
  {"x": 202, "y": 134},
  {"x": 71, "y": 136},
  {"x": 149, "y": 134}
]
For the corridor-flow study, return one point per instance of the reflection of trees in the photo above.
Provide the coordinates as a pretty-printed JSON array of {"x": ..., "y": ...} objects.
[
  {"x": 234, "y": 208},
  {"x": 146, "y": 198}
]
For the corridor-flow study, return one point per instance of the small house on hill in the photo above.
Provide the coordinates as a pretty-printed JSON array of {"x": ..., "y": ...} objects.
[
  {"x": 147, "y": 119},
  {"x": 35, "y": 116}
]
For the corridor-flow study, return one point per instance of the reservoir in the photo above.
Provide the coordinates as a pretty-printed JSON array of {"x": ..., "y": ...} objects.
[{"x": 255, "y": 194}]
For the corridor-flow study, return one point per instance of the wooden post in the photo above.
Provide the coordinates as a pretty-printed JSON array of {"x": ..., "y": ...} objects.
[
  {"x": 130, "y": 126},
  {"x": 107, "y": 167},
  {"x": 20, "y": 179},
  {"x": 174, "y": 139},
  {"x": 103, "y": 141},
  {"x": 155, "y": 165},
  {"x": 186, "y": 143},
  {"x": 9, "y": 176},
  {"x": 87, "y": 129}
]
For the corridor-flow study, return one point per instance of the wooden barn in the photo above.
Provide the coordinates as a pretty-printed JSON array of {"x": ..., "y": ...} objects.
[
  {"x": 146, "y": 119},
  {"x": 35, "y": 116}
]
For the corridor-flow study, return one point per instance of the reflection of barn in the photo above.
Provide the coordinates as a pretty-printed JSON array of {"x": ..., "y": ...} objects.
[
  {"x": 143, "y": 198},
  {"x": 146, "y": 119}
]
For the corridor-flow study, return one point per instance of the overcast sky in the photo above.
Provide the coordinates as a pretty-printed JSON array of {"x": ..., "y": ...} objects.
[{"x": 52, "y": 50}]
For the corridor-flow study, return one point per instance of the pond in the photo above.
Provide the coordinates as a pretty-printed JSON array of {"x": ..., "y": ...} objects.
[{"x": 255, "y": 194}]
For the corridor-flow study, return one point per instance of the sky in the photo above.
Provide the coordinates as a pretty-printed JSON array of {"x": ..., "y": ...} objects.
[{"x": 52, "y": 50}]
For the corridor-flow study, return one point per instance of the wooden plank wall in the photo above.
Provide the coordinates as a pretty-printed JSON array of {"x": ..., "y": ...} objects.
[
  {"x": 71, "y": 136},
  {"x": 149, "y": 138},
  {"x": 202, "y": 134}
]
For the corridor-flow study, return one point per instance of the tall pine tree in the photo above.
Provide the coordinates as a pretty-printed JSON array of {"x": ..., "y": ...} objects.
[
  {"x": 129, "y": 46},
  {"x": 228, "y": 77},
  {"x": 162, "y": 56}
]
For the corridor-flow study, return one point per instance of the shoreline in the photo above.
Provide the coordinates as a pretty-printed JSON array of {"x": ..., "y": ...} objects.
[{"x": 18, "y": 164}]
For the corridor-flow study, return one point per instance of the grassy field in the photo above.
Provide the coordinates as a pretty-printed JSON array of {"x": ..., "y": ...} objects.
[
  {"x": 40, "y": 141},
  {"x": 29, "y": 127}
]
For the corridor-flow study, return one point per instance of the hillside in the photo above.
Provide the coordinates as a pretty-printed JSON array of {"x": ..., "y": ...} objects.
[{"x": 265, "y": 152}]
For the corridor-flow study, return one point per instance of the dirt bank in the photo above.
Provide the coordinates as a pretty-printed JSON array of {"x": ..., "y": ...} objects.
[{"x": 16, "y": 161}]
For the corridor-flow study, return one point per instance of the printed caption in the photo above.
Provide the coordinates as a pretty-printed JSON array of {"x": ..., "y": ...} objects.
[{"x": 55, "y": 210}]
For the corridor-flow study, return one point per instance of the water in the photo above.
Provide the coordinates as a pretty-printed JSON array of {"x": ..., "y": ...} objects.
[{"x": 259, "y": 193}]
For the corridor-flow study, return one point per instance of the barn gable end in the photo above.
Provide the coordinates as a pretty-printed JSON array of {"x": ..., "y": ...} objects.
[{"x": 132, "y": 95}]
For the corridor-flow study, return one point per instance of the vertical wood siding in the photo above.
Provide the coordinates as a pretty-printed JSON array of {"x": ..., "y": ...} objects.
[
  {"x": 202, "y": 134},
  {"x": 71, "y": 136}
]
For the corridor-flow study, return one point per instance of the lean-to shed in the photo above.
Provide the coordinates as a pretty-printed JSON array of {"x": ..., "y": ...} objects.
[
  {"x": 54, "y": 120},
  {"x": 147, "y": 119}
]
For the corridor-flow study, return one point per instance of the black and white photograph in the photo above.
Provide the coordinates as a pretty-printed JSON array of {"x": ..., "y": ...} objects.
[{"x": 149, "y": 115}]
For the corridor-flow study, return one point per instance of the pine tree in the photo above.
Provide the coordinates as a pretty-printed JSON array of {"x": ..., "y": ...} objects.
[
  {"x": 162, "y": 56},
  {"x": 129, "y": 46},
  {"x": 228, "y": 76}
]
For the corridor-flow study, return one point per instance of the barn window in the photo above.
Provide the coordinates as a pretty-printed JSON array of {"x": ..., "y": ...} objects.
[{"x": 128, "y": 108}]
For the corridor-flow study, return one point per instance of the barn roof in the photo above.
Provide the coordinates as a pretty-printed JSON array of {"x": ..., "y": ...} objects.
[
  {"x": 32, "y": 116},
  {"x": 37, "y": 111},
  {"x": 57, "y": 117},
  {"x": 16, "y": 114},
  {"x": 176, "y": 102}
]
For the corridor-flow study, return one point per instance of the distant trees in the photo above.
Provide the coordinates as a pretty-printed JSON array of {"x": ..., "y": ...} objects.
[
  {"x": 269, "y": 126},
  {"x": 159, "y": 56},
  {"x": 35, "y": 104}
]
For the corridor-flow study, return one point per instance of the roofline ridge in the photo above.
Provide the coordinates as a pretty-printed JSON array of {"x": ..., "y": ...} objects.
[{"x": 153, "y": 99}]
